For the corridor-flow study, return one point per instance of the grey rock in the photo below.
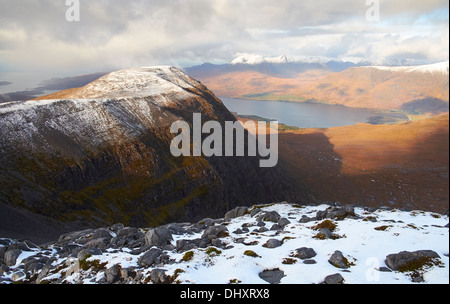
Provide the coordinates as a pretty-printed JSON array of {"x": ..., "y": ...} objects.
[
  {"x": 269, "y": 216},
  {"x": 276, "y": 227},
  {"x": 384, "y": 269},
  {"x": 33, "y": 266},
  {"x": 86, "y": 253},
  {"x": 261, "y": 230},
  {"x": 18, "y": 276},
  {"x": 150, "y": 257},
  {"x": 273, "y": 243},
  {"x": 69, "y": 249},
  {"x": 238, "y": 231},
  {"x": 127, "y": 273},
  {"x": 158, "y": 276},
  {"x": 24, "y": 246},
  {"x": 185, "y": 245},
  {"x": 2, "y": 253},
  {"x": 255, "y": 212},
  {"x": 102, "y": 233},
  {"x": 326, "y": 232},
  {"x": 338, "y": 260},
  {"x": 11, "y": 256},
  {"x": 127, "y": 232},
  {"x": 116, "y": 227},
  {"x": 305, "y": 219},
  {"x": 320, "y": 215},
  {"x": 305, "y": 253},
  {"x": 398, "y": 260},
  {"x": 214, "y": 232},
  {"x": 309, "y": 262},
  {"x": 205, "y": 223},
  {"x": 112, "y": 274},
  {"x": 97, "y": 243},
  {"x": 272, "y": 276},
  {"x": 73, "y": 236},
  {"x": 217, "y": 243},
  {"x": 418, "y": 278},
  {"x": 158, "y": 237},
  {"x": 176, "y": 228},
  {"x": 334, "y": 279},
  {"x": 236, "y": 212}
]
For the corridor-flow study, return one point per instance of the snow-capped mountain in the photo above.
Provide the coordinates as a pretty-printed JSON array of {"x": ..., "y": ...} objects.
[
  {"x": 440, "y": 67},
  {"x": 275, "y": 243},
  {"x": 101, "y": 153},
  {"x": 252, "y": 59}
]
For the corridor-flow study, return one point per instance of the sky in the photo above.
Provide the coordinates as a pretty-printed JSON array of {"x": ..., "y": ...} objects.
[{"x": 37, "y": 41}]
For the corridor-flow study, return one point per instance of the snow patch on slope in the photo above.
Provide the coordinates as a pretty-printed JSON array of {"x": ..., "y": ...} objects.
[
  {"x": 139, "y": 82},
  {"x": 441, "y": 67}
]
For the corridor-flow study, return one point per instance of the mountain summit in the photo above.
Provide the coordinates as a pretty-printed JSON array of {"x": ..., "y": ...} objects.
[{"x": 100, "y": 154}]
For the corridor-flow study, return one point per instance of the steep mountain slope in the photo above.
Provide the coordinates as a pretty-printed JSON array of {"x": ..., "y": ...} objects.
[
  {"x": 423, "y": 89},
  {"x": 100, "y": 154}
]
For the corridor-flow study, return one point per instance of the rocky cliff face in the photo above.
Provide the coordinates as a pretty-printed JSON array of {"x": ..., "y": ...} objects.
[{"x": 101, "y": 154}]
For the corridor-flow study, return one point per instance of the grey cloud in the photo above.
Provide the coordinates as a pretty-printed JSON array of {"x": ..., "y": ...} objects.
[{"x": 116, "y": 33}]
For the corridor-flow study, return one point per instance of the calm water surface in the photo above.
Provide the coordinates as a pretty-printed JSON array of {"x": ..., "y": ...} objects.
[{"x": 298, "y": 114}]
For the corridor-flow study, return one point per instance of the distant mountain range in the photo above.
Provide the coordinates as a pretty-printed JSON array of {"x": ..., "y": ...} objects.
[{"x": 415, "y": 89}]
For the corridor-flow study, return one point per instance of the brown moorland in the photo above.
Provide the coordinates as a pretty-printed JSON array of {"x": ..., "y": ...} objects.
[
  {"x": 400, "y": 166},
  {"x": 412, "y": 90}
]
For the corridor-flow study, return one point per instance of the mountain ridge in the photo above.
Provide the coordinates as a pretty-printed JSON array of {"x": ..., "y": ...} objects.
[{"x": 107, "y": 158}]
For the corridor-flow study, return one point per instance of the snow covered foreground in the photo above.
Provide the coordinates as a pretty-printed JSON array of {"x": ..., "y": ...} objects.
[{"x": 255, "y": 248}]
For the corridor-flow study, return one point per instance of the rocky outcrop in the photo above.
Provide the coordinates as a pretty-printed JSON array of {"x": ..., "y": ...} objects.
[{"x": 213, "y": 251}]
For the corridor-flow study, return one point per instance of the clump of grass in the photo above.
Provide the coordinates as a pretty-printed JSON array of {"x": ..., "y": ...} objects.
[
  {"x": 289, "y": 261},
  {"x": 320, "y": 236},
  {"x": 382, "y": 228},
  {"x": 420, "y": 264},
  {"x": 251, "y": 253},
  {"x": 212, "y": 252},
  {"x": 188, "y": 256},
  {"x": 412, "y": 226},
  {"x": 235, "y": 281},
  {"x": 327, "y": 224},
  {"x": 297, "y": 206},
  {"x": 287, "y": 238}
]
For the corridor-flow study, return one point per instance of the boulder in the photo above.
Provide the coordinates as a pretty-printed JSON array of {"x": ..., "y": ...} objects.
[
  {"x": 158, "y": 237},
  {"x": 127, "y": 232},
  {"x": 11, "y": 256},
  {"x": 399, "y": 261},
  {"x": 334, "y": 279},
  {"x": 102, "y": 233},
  {"x": 269, "y": 216},
  {"x": 215, "y": 232},
  {"x": 150, "y": 257},
  {"x": 186, "y": 245},
  {"x": 112, "y": 274},
  {"x": 283, "y": 222},
  {"x": 158, "y": 276},
  {"x": 272, "y": 276},
  {"x": 305, "y": 253},
  {"x": 236, "y": 212},
  {"x": 273, "y": 243},
  {"x": 338, "y": 260}
]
